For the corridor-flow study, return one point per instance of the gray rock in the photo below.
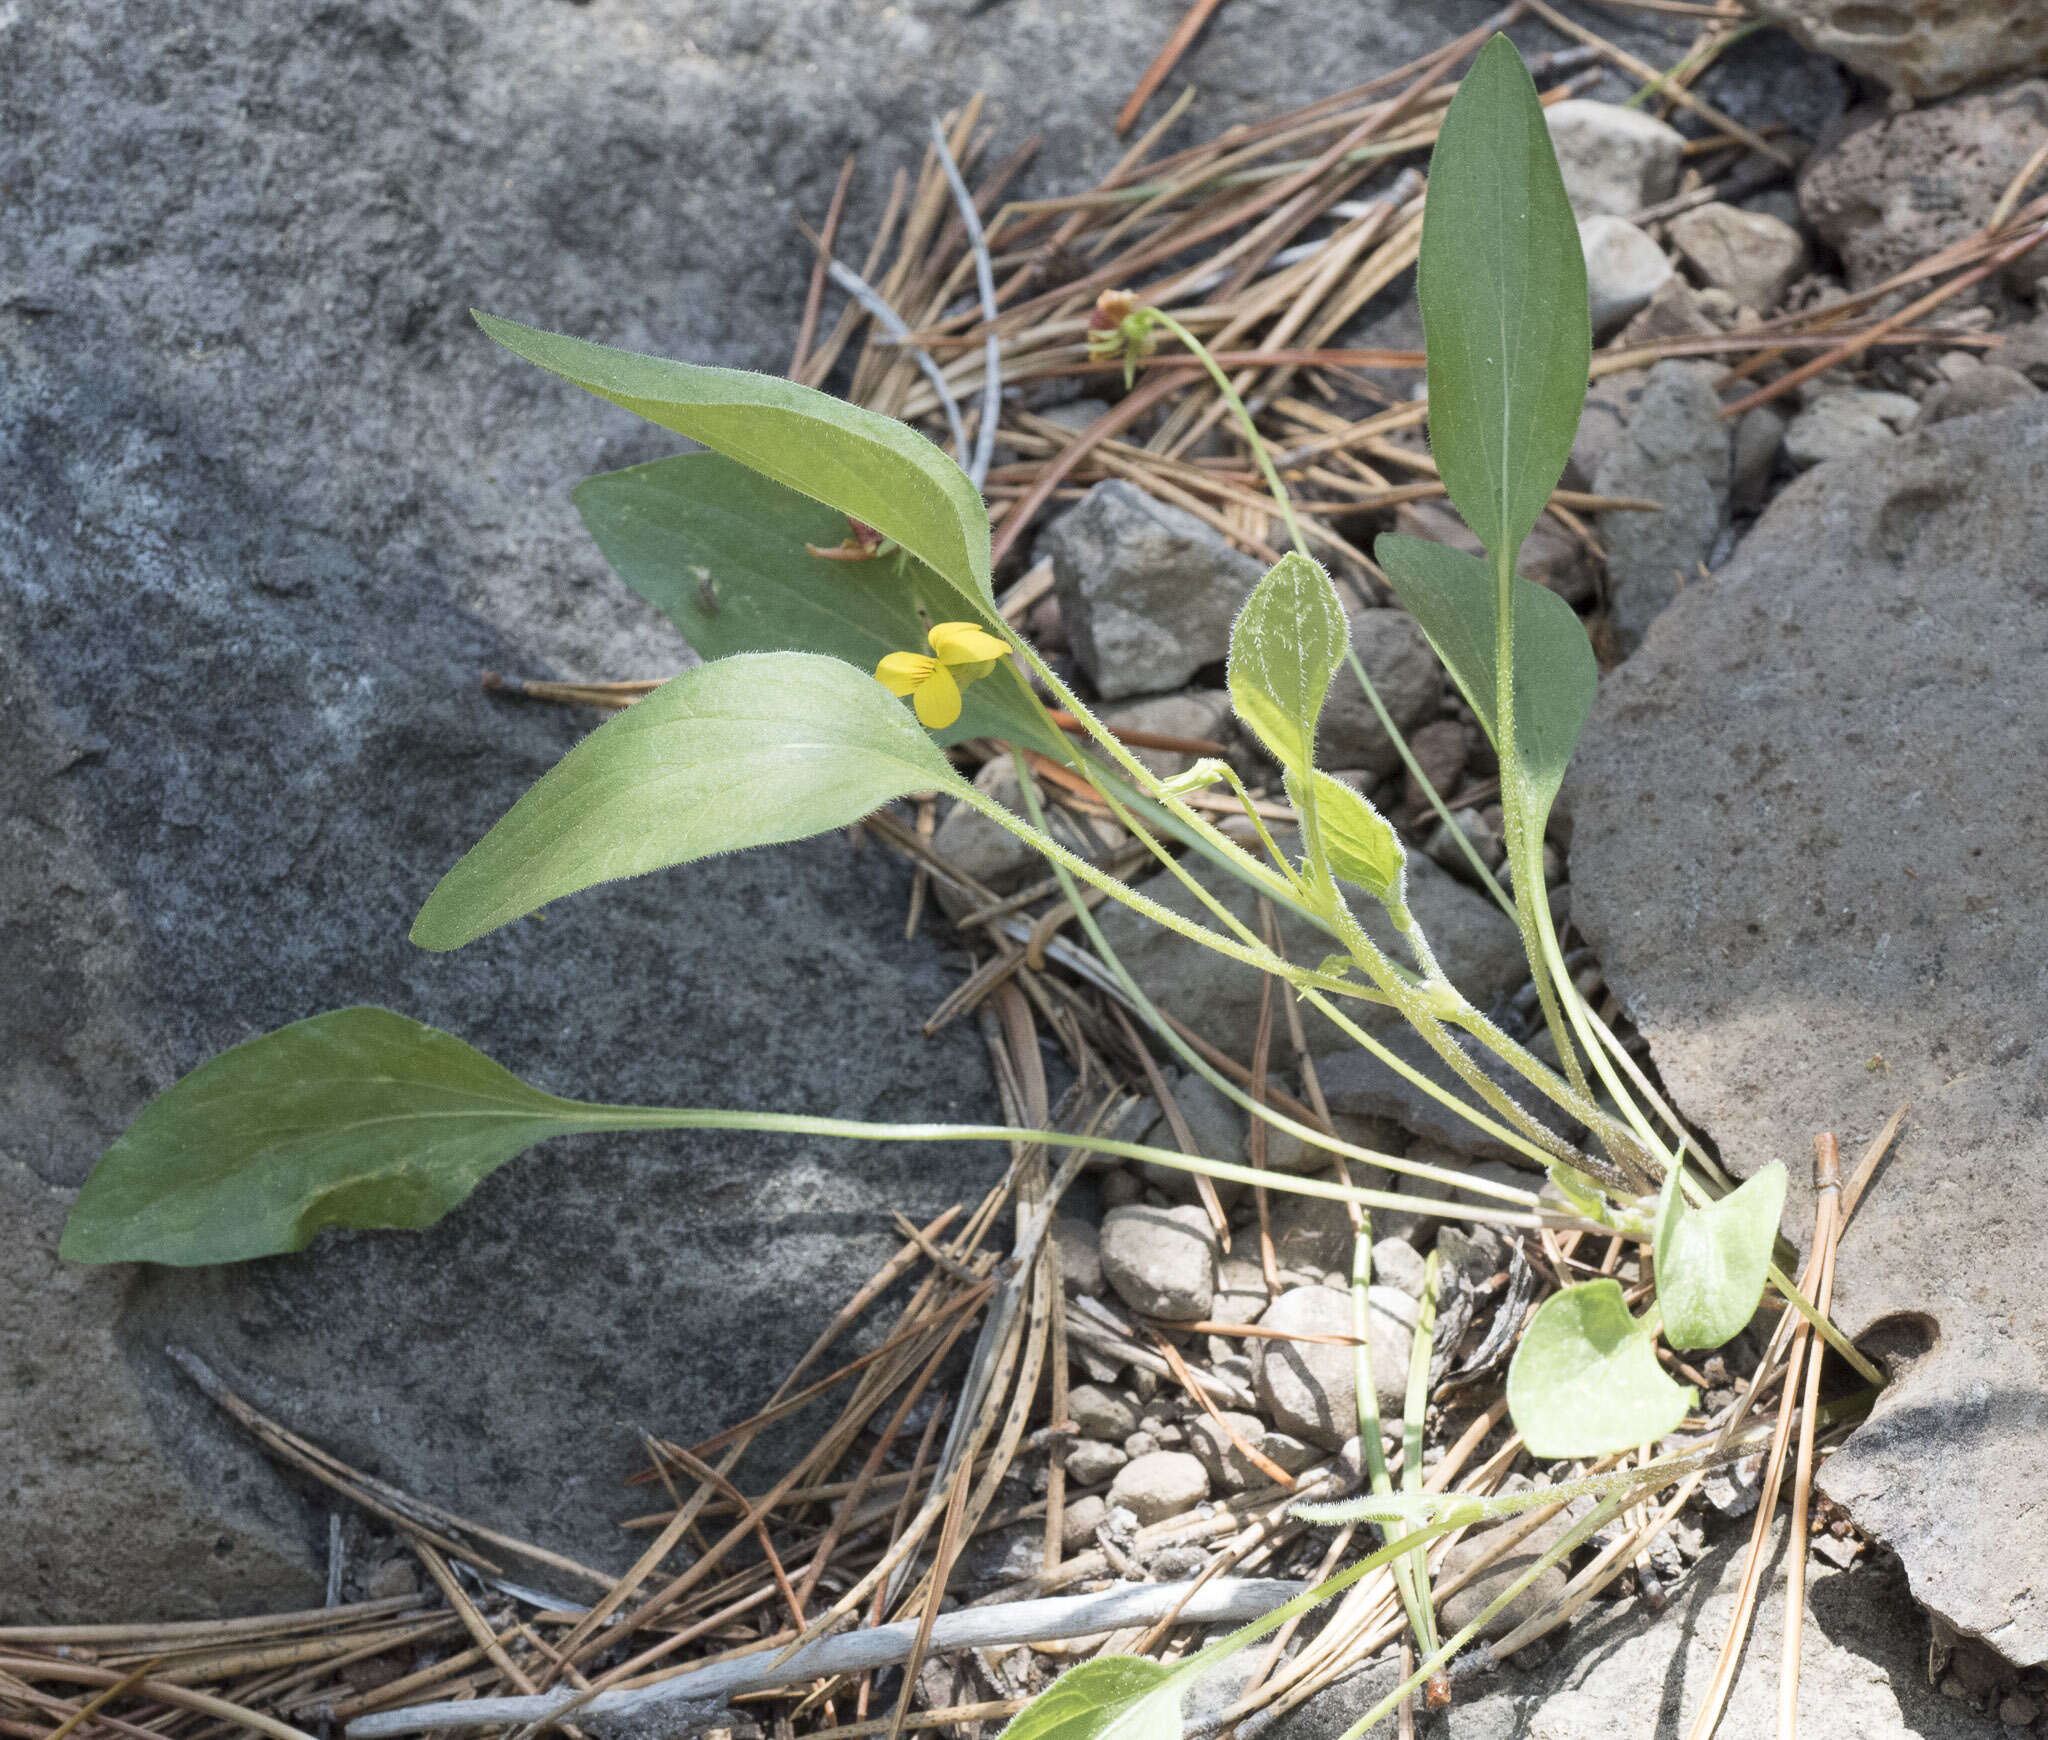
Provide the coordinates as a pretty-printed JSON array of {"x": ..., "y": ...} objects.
[
  {"x": 1218, "y": 1127},
  {"x": 1194, "y": 713},
  {"x": 1615, "y": 161},
  {"x": 1397, "y": 1264},
  {"x": 1462, "y": 1606},
  {"x": 1078, "y": 1246},
  {"x": 1311, "y": 1234},
  {"x": 1240, "y": 1292},
  {"x": 1890, "y": 193},
  {"x": 1229, "y": 1468},
  {"x": 1759, "y": 439},
  {"x": 1675, "y": 451},
  {"x": 1922, "y": 48},
  {"x": 994, "y": 856},
  {"x": 1847, "y": 422},
  {"x": 1308, "y": 1388},
  {"x": 1161, "y": 1261},
  {"x": 1621, "y": 1671},
  {"x": 1740, "y": 862},
  {"x": 1080, "y": 1520},
  {"x": 1988, "y": 387},
  {"x": 1291, "y": 1154},
  {"x": 1147, "y": 591},
  {"x": 1102, "y": 1413},
  {"x": 1476, "y": 943},
  {"x": 1624, "y": 269},
  {"x": 1161, "y": 1485},
  {"x": 1495, "y": 1171},
  {"x": 1359, "y": 1083},
  {"x": 1397, "y": 657},
  {"x": 1090, "y": 1461},
  {"x": 1603, "y": 420},
  {"x": 1750, "y": 254},
  {"x": 1446, "y": 852}
]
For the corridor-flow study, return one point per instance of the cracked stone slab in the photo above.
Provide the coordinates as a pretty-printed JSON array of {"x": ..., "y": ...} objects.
[{"x": 1808, "y": 851}]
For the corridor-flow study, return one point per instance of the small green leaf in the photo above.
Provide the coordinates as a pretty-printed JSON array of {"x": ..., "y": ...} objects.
[
  {"x": 721, "y": 550},
  {"x": 1585, "y": 1380},
  {"x": 1451, "y": 595},
  {"x": 1285, "y": 646},
  {"x": 1502, "y": 285},
  {"x": 748, "y": 751},
  {"x": 1711, "y": 1261},
  {"x": 876, "y": 469},
  {"x": 1360, "y": 842},
  {"x": 1113, "y": 1697},
  {"x": 357, "y": 1118}
]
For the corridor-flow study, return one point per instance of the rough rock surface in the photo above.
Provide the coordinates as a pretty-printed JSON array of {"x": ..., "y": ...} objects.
[
  {"x": 1923, "y": 48},
  {"x": 1159, "y": 1484},
  {"x": 1806, "y": 846},
  {"x": 1147, "y": 591},
  {"x": 1892, "y": 192},
  {"x": 1675, "y": 450},
  {"x": 1622, "y": 1672},
  {"x": 1488, "y": 1585}
]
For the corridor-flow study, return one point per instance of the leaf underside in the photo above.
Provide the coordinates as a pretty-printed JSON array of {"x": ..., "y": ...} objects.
[
  {"x": 1711, "y": 1260},
  {"x": 872, "y": 467}
]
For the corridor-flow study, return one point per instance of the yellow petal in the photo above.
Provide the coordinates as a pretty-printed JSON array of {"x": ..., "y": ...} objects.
[
  {"x": 965, "y": 674},
  {"x": 902, "y": 672},
  {"x": 938, "y": 700},
  {"x": 961, "y": 643}
]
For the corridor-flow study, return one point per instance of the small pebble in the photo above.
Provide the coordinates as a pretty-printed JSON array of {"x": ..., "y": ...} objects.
[
  {"x": 1161, "y": 1261},
  {"x": 1090, "y": 1461},
  {"x": 1102, "y": 1413},
  {"x": 1160, "y": 1485},
  {"x": 1079, "y": 1247},
  {"x": 1080, "y": 1520}
]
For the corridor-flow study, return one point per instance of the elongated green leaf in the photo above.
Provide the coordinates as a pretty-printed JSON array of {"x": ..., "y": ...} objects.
[
  {"x": 1360, "y": 842},
  {"x": 1586, "y": 1381},
  {"x": 1711, "y": 1261},
  {"x": 1113, "y": 1697},
  {"x": 1502, "y": 285},
  {"x": 356, "y": 1118},
  {"x": 744, "y": 752},
  {"x": 1285, "y": 646},
  {"x": 864, "y": 464},
  {"x": 1556, "y": 677},
  {"x": 721, "y": 551}
]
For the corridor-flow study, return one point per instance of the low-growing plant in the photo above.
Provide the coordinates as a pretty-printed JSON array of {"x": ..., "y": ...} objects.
[{"x": 830, "y": 563}]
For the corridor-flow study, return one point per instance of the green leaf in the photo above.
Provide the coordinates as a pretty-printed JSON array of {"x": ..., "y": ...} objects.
[
  {"x": 1502, "y": 285},
  {"x": 721, "y": 551},
  {"x": 1711, "y": 1261},
  {"x": 1360, "y": 842},
  {"x": 744, "y": 752},
  {"x": 1585, "y": 1380},
  {"x": 1451, "y": 595},
  {"x": 870, "y": 466},
  {"x": 356, "y": 1118},
  {"x": 1113, "y": 1697},
  {"x": 1285, "y": 646}
]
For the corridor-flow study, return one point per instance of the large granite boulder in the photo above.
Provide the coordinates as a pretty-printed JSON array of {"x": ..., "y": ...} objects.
[{"x": 1807, "y": 847}]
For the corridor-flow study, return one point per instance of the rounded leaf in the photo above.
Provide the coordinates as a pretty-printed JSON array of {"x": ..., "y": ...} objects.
[
  {"x": 1585, "y": 1380},
  {"x": 1711, "y": 1261}
]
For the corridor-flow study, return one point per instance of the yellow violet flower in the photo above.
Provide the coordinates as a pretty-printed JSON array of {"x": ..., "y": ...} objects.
[{"x": 960, "y": 654}]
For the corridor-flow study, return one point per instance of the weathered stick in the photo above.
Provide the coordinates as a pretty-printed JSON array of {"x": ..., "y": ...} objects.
[{"x": 881, "y": 1646}]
